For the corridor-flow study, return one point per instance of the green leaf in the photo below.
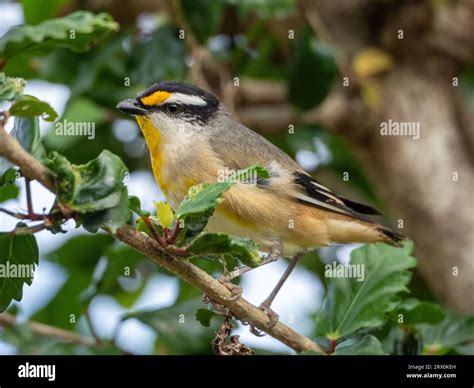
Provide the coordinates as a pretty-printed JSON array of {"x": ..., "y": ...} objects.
[
  {"x": 216, "y": 244},
  {"x": 27, "y": 106},
  {"x": 164, "y": 214},
  {"x": 178, "y": 330},
  {"x": 76, "y": 31},
  {"x": 204, "y": 316},
  {"x": 8, "y": 177},
  {"x": 111, "y": 218},
  {"x": 201, "y": 201},
  {"x": 26, "y": 131},
  {"x": 78, "y": 112},
  {"x": 352, "y": 304},
  {"x": 11, "y": 88},
  {"x": 399, "y": 339},
  {"x": 134, "y": 204},
  {"x": 453, "y": 331},
  {"x": 416, "y": 311},
  {"x": 8, "y": 192},
  {"x": 95, "y": 190},
  {"x": 368, "y": 345},
  {"x": 35, "y": 12},
  {"x": 121, "y": 261},
  {"x": 78, "y": 256},
  {"x": 312, "y": 71},
  {"x": 160, "y": 57},
  {"x": 267, "y": 9},
  {"x": 203, "y": 16},
  {"x": 18, "y": 257},
  {"x": 8, "y": 188}
]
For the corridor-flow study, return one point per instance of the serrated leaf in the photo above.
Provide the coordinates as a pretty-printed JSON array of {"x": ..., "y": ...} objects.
[
  {"x": 111, "y": 218},
  {"x": 28, "y": 106},
  {"x": 11, "y": 87},
  {"x": 217, "y": 244},
  {"x": 164, "y": 213},
  {"x": 18, "y": 257},
  {"x": 204, "y": 316},
  {"x": 201, "y": 201},
  {"x": 93, "y": 186},
  {"x": 351, "y": 304},
  {"x": 453, "y": 331},
  {"x": 416, "y": 311},
  {"x": 26, "y": 131},
  {"x": 368, "y": 345},
  {"x": 94, "y": 190},
  {"x": 76, "y": 31}
]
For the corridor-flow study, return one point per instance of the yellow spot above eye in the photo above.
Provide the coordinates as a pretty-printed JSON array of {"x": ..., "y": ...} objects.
[{"x": 155, "y": 98}]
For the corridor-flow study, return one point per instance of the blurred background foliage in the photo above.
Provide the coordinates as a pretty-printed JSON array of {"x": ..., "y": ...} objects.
[{"x": 249, "y": 39}]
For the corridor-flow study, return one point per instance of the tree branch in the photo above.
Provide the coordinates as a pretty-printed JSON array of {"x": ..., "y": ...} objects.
[
  {"x": 240, "y": 308},
  {"x": 8, "y": 320}
]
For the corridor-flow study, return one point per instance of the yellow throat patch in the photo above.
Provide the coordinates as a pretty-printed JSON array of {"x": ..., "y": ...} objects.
[{"x": 154, "y": 144}]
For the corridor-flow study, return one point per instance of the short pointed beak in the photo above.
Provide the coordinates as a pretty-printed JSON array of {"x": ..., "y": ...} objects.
[{"x": 131, "y": 107}]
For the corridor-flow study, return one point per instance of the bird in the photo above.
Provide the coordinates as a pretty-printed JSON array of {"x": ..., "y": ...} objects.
[{"x": 192, "y": 138}]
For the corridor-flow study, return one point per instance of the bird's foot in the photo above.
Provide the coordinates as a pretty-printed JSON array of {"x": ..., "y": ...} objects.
[
  {"x": 235, "y": 290},
  {"x": 273, "y": 317}
]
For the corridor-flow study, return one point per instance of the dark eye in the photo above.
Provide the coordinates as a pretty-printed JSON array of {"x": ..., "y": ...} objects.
[{"x": 173, "y": 108}]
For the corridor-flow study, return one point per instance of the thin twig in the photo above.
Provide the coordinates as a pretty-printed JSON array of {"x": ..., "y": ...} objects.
[
  {"x": 29, "y": 202},
  {"x": 20, "y": 216},
  {"x": 8, "y": 320},
  {"x": 29, "y": 229},
  {"x": 90, "y": 325},
  {"x": 151, "y": 227}
]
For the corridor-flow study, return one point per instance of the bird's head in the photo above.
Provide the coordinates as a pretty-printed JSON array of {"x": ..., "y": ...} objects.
[{"x": 172, "y": 107}]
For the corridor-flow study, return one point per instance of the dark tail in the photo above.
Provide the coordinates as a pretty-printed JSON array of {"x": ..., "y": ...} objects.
[{"x": 392, "y": 237}]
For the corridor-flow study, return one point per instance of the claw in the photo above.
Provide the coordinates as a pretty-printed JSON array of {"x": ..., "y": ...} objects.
[
  {"x": 273, "y": 320},
  {"x": 236, "y": 291},
  {"x": 257, "y": 332},
  {"x": 273, "y": 317}
]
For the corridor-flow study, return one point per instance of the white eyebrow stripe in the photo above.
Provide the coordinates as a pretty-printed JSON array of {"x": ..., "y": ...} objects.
[{"x": 186, "y": 99}]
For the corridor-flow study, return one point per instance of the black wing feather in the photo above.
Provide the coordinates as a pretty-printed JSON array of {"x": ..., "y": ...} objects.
[{"x": 312, "y": 188}]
